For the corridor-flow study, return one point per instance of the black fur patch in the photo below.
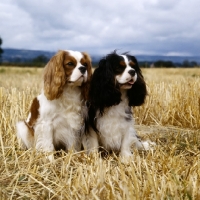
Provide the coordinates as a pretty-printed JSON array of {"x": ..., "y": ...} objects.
[
  {"x": 105, "y": 92},
  {"x": 129, "y": 114},
  {"x": 60, "y": 146}
]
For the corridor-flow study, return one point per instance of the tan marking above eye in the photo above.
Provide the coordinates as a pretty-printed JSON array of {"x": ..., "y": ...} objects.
[
  {"x": 131, "y": 63},
  {"x": 122, "y": 63},
  {"x": 84, "y": 62}
]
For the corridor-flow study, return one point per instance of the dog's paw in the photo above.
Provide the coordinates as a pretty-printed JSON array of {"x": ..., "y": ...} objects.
[
  {"x": 51, "y": 158},
  {"x": 147, "y": 145},
  {"x": 125, "y": 156}
]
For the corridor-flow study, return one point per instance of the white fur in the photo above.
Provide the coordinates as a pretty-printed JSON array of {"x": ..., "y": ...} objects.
[
  {"x": 60, "y": 120},
  {"x": 25, "y": 138},
  {"x": 116, "y": 132},
  {"x": 125, "y": 76},
  {"x": 76, "y": 74},
  {"x": 115, "y": 122}
]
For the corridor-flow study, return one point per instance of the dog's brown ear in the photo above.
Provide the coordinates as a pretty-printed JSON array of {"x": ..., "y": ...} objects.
[
  {"x": 54, "y": 76},
  {"x": 85, "y": 86}
]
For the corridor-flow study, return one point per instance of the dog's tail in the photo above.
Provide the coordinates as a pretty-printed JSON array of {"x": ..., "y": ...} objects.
[{"x": 25, "y": 135}]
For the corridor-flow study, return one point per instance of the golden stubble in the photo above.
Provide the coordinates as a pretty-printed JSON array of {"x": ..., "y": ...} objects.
[{"x": 170, "y": 117}]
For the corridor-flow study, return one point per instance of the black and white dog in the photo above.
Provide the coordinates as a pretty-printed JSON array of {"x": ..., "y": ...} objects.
[{"x": 117, "y": 85}]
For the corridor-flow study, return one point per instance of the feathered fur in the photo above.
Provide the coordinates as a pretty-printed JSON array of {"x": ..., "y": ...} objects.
[
  {"x": 116, "y": 86},
  {"x": 56, "y": 116}
]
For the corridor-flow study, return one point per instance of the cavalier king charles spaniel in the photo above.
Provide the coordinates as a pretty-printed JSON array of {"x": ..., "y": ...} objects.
[
  {"x": 117, "y": 85},
  {"x": 56, "y": 117}
]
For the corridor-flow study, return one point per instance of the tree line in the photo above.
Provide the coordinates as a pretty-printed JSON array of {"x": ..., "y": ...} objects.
[
  {"x": 1, "y": 50},
  {"x": 41, "y": 60},
  {"x": 168, "y": 64}
]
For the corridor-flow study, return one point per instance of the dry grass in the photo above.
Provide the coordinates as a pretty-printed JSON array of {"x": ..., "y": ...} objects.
[
  {"x": 174, "y": 98},
  {"x": 170, "y": 117}
]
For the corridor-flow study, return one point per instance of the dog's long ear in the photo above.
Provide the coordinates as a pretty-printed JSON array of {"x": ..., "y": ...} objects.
[
  {"x": 103, "y": 89},
  {"x": 85, "y": 86},
  {"x": 138, "y": 92},
  {"x": 54, "y": 76}
]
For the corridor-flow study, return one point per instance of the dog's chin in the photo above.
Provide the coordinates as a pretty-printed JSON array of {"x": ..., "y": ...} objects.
[
  {"x": 78, "y": 82},
  {"x": 126, "y": 86}
]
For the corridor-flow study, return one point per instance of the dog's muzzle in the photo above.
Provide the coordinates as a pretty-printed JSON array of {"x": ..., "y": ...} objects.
[{"x": 82, "y": 69}]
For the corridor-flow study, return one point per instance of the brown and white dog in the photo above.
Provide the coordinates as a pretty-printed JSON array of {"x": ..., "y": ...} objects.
[{"x": 56, "y": 117}]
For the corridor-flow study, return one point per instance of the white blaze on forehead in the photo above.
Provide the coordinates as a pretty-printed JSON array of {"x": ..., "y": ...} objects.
[
  {"x": 125, "y": 76},
  {"x": 76, "y": 75},
  {"x": 76, "y": 54},
  {"x": 125, "y": 59}
]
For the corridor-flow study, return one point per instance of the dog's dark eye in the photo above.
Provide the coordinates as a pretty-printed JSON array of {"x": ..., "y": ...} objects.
[
  {"x": 70, "y": 64},
  {"x": 119, "y": 69},
  {"x": 85, "y": 64}
]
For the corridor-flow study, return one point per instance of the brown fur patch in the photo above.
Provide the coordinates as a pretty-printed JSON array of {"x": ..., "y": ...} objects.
[
  {"x": 85, "y": 87},
  {"x": 34, "y": 110},
  {"x": 69, "y": 64},
  {"x": 131, "y": 63},
  {"x": 54, "y": 76},
  {"x": 57, "y": 73},
  {"x": 122, "y": 63}
]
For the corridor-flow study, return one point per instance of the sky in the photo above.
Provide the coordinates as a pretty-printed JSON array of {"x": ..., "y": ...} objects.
[{"x": 142, "y": 27}]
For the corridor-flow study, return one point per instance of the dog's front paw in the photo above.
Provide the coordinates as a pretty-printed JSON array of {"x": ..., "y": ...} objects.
[
  {"x": 125, "y": 156},
  {"x": 51, "y": 158},
  {"x": 147, "y": 145}
]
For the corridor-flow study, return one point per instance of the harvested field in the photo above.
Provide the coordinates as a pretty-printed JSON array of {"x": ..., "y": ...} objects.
[{"x": 170, "y": 117}]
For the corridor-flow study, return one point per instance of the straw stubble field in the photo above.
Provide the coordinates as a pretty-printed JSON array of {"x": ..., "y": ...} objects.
[{"x": 170, "y": 117}]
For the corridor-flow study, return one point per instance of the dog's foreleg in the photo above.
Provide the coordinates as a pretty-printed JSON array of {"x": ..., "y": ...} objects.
[
  {"x": 90, "y": 141},
  {"x": 44, "y": 138},
  {"x": 125, "y": 150}
]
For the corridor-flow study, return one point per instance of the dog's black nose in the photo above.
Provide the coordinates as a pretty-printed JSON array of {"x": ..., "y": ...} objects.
[
  {"x": 82, "y": 69},
  {"x": 132, "y": 72}
]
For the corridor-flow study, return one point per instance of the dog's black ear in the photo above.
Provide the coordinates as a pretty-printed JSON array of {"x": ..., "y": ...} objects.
[
  {"x": 104, "y": 91},
  {"x": 138, "y": 92}
]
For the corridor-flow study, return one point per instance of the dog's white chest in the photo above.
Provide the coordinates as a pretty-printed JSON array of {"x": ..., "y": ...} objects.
[{"x": 114, "y": 125}]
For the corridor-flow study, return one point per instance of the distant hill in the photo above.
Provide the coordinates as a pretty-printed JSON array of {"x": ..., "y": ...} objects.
[
  {"x": 21, "y": 55},
  {"x": 174, "y": 59}
]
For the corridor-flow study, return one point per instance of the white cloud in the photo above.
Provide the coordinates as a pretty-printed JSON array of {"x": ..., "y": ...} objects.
[{"x": 145, "y": 26}]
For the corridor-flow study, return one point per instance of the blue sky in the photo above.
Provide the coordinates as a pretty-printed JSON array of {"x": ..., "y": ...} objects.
[{"x": 147, "y": 27}]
